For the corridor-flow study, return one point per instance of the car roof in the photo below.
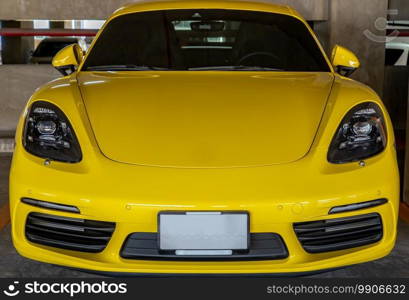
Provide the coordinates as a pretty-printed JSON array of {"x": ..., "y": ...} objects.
[{"x": 255, "y": 5}]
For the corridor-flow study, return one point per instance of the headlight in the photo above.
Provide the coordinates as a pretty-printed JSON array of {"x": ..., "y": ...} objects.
[
  {"x": 49, "y": 134},
  {"x": 362, "y": 134}
]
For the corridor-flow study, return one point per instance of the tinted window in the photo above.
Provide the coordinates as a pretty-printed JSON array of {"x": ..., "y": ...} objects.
[
  {"x": 207, "y": 39},
  {"x": 392, "y": 56}
]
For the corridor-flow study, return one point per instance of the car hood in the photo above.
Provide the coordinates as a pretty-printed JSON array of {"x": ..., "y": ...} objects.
[{"x": 205, "y": 119}]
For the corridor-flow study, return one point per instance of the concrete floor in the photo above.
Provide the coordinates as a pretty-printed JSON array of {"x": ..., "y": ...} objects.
[{"x": 396, "y": 265}]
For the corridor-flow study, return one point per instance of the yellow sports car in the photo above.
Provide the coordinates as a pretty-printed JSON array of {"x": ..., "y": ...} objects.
[{"x": 204, "y": 137}]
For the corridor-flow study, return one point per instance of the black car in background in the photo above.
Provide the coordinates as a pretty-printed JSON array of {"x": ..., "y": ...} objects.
[{"x": 49, "y": 47}]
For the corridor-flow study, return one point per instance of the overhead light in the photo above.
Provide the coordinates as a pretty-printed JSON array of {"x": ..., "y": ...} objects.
[
  {"x": 357, "y": 206},
  {"x": 51, "y": 205}
]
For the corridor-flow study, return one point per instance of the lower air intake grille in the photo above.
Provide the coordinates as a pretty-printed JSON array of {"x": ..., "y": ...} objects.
[
  {"x": 263, "y": 246},
  {"x": 68, "y": 233},
  {"x": 339, "y": 234}
]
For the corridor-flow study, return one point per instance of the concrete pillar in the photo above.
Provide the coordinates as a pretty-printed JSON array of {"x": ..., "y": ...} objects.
[
  {"x": 10, "y": 45},
  {"x": 16, "y": 50},
  {"x": 360, "y": 26},
  {"x": 399, "y": 9}
]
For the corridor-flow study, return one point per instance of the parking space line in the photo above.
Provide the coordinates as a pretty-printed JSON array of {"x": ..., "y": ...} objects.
[{"x": 4, "y": 216}]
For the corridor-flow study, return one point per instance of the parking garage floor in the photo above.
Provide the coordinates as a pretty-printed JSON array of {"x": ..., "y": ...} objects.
[{"x": 13, "y": 265}]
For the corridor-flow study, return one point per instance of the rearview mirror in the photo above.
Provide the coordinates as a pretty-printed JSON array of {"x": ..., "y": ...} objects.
[
  {"x": 209, "y": 26},
  {"x": 344, "y": 61},
  {"x": 68, "y": 59}
]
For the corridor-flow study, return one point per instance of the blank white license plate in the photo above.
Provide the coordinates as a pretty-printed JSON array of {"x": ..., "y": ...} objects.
[{"x": 203, "y": 231}]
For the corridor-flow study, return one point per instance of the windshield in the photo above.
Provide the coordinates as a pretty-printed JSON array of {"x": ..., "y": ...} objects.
[{"x": 206, "y": 39}]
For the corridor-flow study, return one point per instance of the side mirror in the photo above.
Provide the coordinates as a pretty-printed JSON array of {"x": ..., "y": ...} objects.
[
  {"x": 344, "y": 61},
  {"x": 68, "y": 59}
]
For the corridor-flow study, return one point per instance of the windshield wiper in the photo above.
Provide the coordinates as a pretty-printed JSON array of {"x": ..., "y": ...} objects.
[
  {"x": 152, "y": 68},
  {"x": 234, "y": 68},
  {"x": 125, "y": 68}
]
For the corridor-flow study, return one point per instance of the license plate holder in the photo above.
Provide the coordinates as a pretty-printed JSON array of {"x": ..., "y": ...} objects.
[{"x": 203, "y": 231}]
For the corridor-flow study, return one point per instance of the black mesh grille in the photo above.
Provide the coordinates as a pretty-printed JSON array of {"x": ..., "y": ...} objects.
[
  {"x": 339, "y": 234},
  {"x": 68, "y": 233},
  {"x": 263, "y": 246}
]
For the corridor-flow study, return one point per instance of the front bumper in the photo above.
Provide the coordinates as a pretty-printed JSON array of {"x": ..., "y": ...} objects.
[{"x": 276, "y": 197}]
